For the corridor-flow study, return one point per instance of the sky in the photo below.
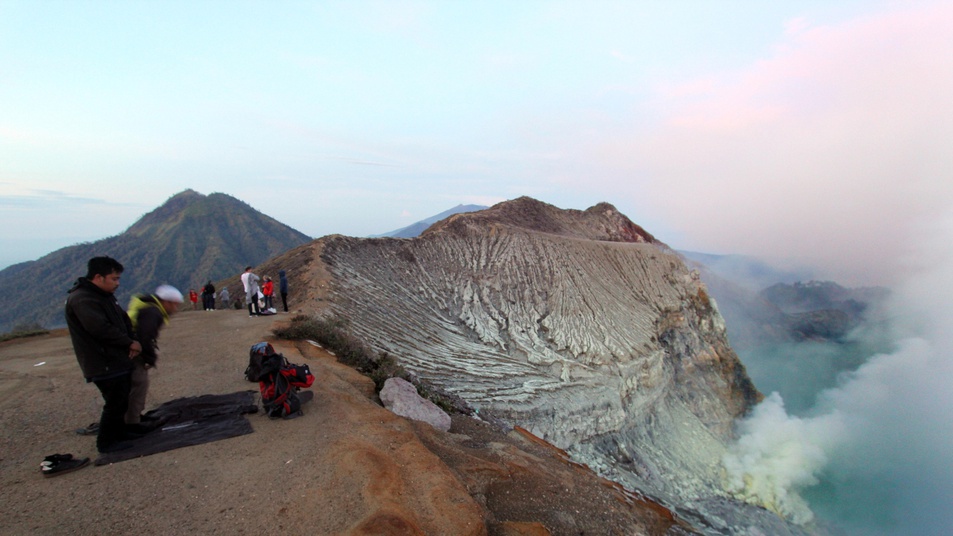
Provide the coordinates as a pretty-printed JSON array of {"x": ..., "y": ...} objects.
[{"x": 809, "y": 132}]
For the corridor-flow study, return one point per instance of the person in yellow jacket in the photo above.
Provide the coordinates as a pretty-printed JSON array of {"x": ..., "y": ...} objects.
[{"x": 148, "y": 314}]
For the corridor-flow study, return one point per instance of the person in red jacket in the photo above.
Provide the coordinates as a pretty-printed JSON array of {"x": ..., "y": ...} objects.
[
  {"x": 194, "y": 298},
  {"x": 268, "y": 291}
]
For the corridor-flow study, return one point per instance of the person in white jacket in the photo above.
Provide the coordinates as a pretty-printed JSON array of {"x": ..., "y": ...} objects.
[{"x": 250, "y": 280}]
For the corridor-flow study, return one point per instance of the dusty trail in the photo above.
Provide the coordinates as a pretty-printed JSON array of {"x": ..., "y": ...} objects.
[{"x": 348, "y": 466}]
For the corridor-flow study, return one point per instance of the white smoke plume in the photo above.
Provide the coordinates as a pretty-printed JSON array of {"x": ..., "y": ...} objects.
[
  {"x": 778, "y": 455},
  {"x": 875, "y": 456}
]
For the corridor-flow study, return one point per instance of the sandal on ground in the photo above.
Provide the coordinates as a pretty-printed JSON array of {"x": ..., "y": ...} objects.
[
  {"x": 57, "y": 464},
  {"x": 54, "y": 458},
  {"x": 92, "y": 429}
]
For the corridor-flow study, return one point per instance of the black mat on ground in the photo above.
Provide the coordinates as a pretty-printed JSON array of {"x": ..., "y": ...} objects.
[{"x": 191, "y": 421}]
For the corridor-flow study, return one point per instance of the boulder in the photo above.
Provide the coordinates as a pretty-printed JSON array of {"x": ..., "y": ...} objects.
[{"x": 400, "y": 396}]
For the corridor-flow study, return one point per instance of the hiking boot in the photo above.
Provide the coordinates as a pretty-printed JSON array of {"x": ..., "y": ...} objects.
[{"x": 57, "y": 464}]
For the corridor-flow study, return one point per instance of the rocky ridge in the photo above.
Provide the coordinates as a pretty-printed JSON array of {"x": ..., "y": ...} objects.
[{"x": 576, "y": 325}]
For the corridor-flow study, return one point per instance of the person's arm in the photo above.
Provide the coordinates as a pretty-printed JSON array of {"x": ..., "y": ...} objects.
[{"x": 147, "y": 330}]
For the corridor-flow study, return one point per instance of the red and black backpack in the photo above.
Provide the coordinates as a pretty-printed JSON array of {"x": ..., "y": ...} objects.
[
  {"x": 278, "y": 380},
  {"x": 256, "y": 355}
]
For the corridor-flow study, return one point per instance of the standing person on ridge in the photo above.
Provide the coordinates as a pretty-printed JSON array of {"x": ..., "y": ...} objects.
[
  {"x": 194, "y": 298},
  {"x": 105, "y": 345},
  {"x": 208, "y": 296},
  {"x": 250, "y": 281},
  {"x": 148, "y": 314},
  {"x": 223, "y": 295},
  {"x": 268, "y": 291},
  {"x": 283, "y": 289}
]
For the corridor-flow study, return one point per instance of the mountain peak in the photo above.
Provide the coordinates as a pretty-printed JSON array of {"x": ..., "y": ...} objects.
[
  {"x": 188, "y": 192},
  {"x": 602, "y": 222},
  {"x": 188, "y": 240}
]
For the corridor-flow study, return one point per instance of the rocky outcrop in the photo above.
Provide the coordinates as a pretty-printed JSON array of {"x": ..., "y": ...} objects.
[
  {"x": 576, "y": 325},
  {"x": 401, "y": 397}
]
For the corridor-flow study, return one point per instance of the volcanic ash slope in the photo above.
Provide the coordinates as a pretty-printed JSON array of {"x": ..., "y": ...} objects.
[{"x": 576, "y": 325}]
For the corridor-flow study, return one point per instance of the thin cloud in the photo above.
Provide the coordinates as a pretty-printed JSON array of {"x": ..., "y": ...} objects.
[
  {"x": 827, "y": 152},
  {"x": 44, "y": 198},
  {"x": 359, "y": 162}
]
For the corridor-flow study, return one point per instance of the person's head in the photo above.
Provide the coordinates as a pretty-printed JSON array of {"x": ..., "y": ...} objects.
[
  {"x": 248, "y": 268},
  {"x": 170, "y": 298},
  {"x": 104, "y": 272}
]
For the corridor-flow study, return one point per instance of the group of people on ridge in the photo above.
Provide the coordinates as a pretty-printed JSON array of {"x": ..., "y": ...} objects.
[
  {"x": 267, "y": 289},
  {"x": 116, "y": 348}
]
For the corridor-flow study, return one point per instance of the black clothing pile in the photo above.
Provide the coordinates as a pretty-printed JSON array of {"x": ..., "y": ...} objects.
[{"x": 191, "y": 421}]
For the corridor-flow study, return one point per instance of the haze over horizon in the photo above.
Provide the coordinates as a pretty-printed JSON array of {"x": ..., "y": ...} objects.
[{"x": 802, "y": 131}]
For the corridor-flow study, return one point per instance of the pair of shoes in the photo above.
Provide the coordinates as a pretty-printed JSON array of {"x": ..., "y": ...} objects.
[
  {"x": 55, "y": 458},
  {"x": 92, "y": 429},
  {"x": 57, "y": 464}
]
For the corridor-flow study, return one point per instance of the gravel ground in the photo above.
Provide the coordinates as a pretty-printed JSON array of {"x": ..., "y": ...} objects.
[{"x": 348, "y": 466}]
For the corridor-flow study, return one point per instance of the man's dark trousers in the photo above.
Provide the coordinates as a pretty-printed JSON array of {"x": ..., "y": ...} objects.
[{"x": 112, "y": 424}]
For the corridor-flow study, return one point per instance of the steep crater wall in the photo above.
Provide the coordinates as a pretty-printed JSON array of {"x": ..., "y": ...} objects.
[{"x": 610, "y": 349}]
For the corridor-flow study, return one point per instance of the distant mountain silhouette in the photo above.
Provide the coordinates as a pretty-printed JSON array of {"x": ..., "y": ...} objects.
[
  {"x": 187, "y": 241},
  {"x": 764, "y": 305},
  {"x": 749, "y": 272},
  {"x": 414, "y": 229}
]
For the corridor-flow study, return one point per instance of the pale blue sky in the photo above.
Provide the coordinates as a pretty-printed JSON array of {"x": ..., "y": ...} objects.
[{"x": 813, "y": 130}]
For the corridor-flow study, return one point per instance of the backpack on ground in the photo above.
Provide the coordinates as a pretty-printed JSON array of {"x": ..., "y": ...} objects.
[
  {"x": 256, "y": 355},
  {"x": 279, "y": 381}
]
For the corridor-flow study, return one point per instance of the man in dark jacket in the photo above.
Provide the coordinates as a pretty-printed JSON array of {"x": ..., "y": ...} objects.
[
  {"x": 283, "y": 288},
  {"x": 208, "y": 296},
  {"x": 104, "y": 344}
]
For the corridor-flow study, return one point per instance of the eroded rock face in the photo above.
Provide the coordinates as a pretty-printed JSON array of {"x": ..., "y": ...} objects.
[{"x": 576, "y": 325}]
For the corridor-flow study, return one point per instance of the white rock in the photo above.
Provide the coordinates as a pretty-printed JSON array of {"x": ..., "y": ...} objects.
[{"x": 400, "y": 396}]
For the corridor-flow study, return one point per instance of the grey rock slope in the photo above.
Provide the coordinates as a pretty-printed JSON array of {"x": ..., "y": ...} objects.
[{"x": 576, "y": 325}]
